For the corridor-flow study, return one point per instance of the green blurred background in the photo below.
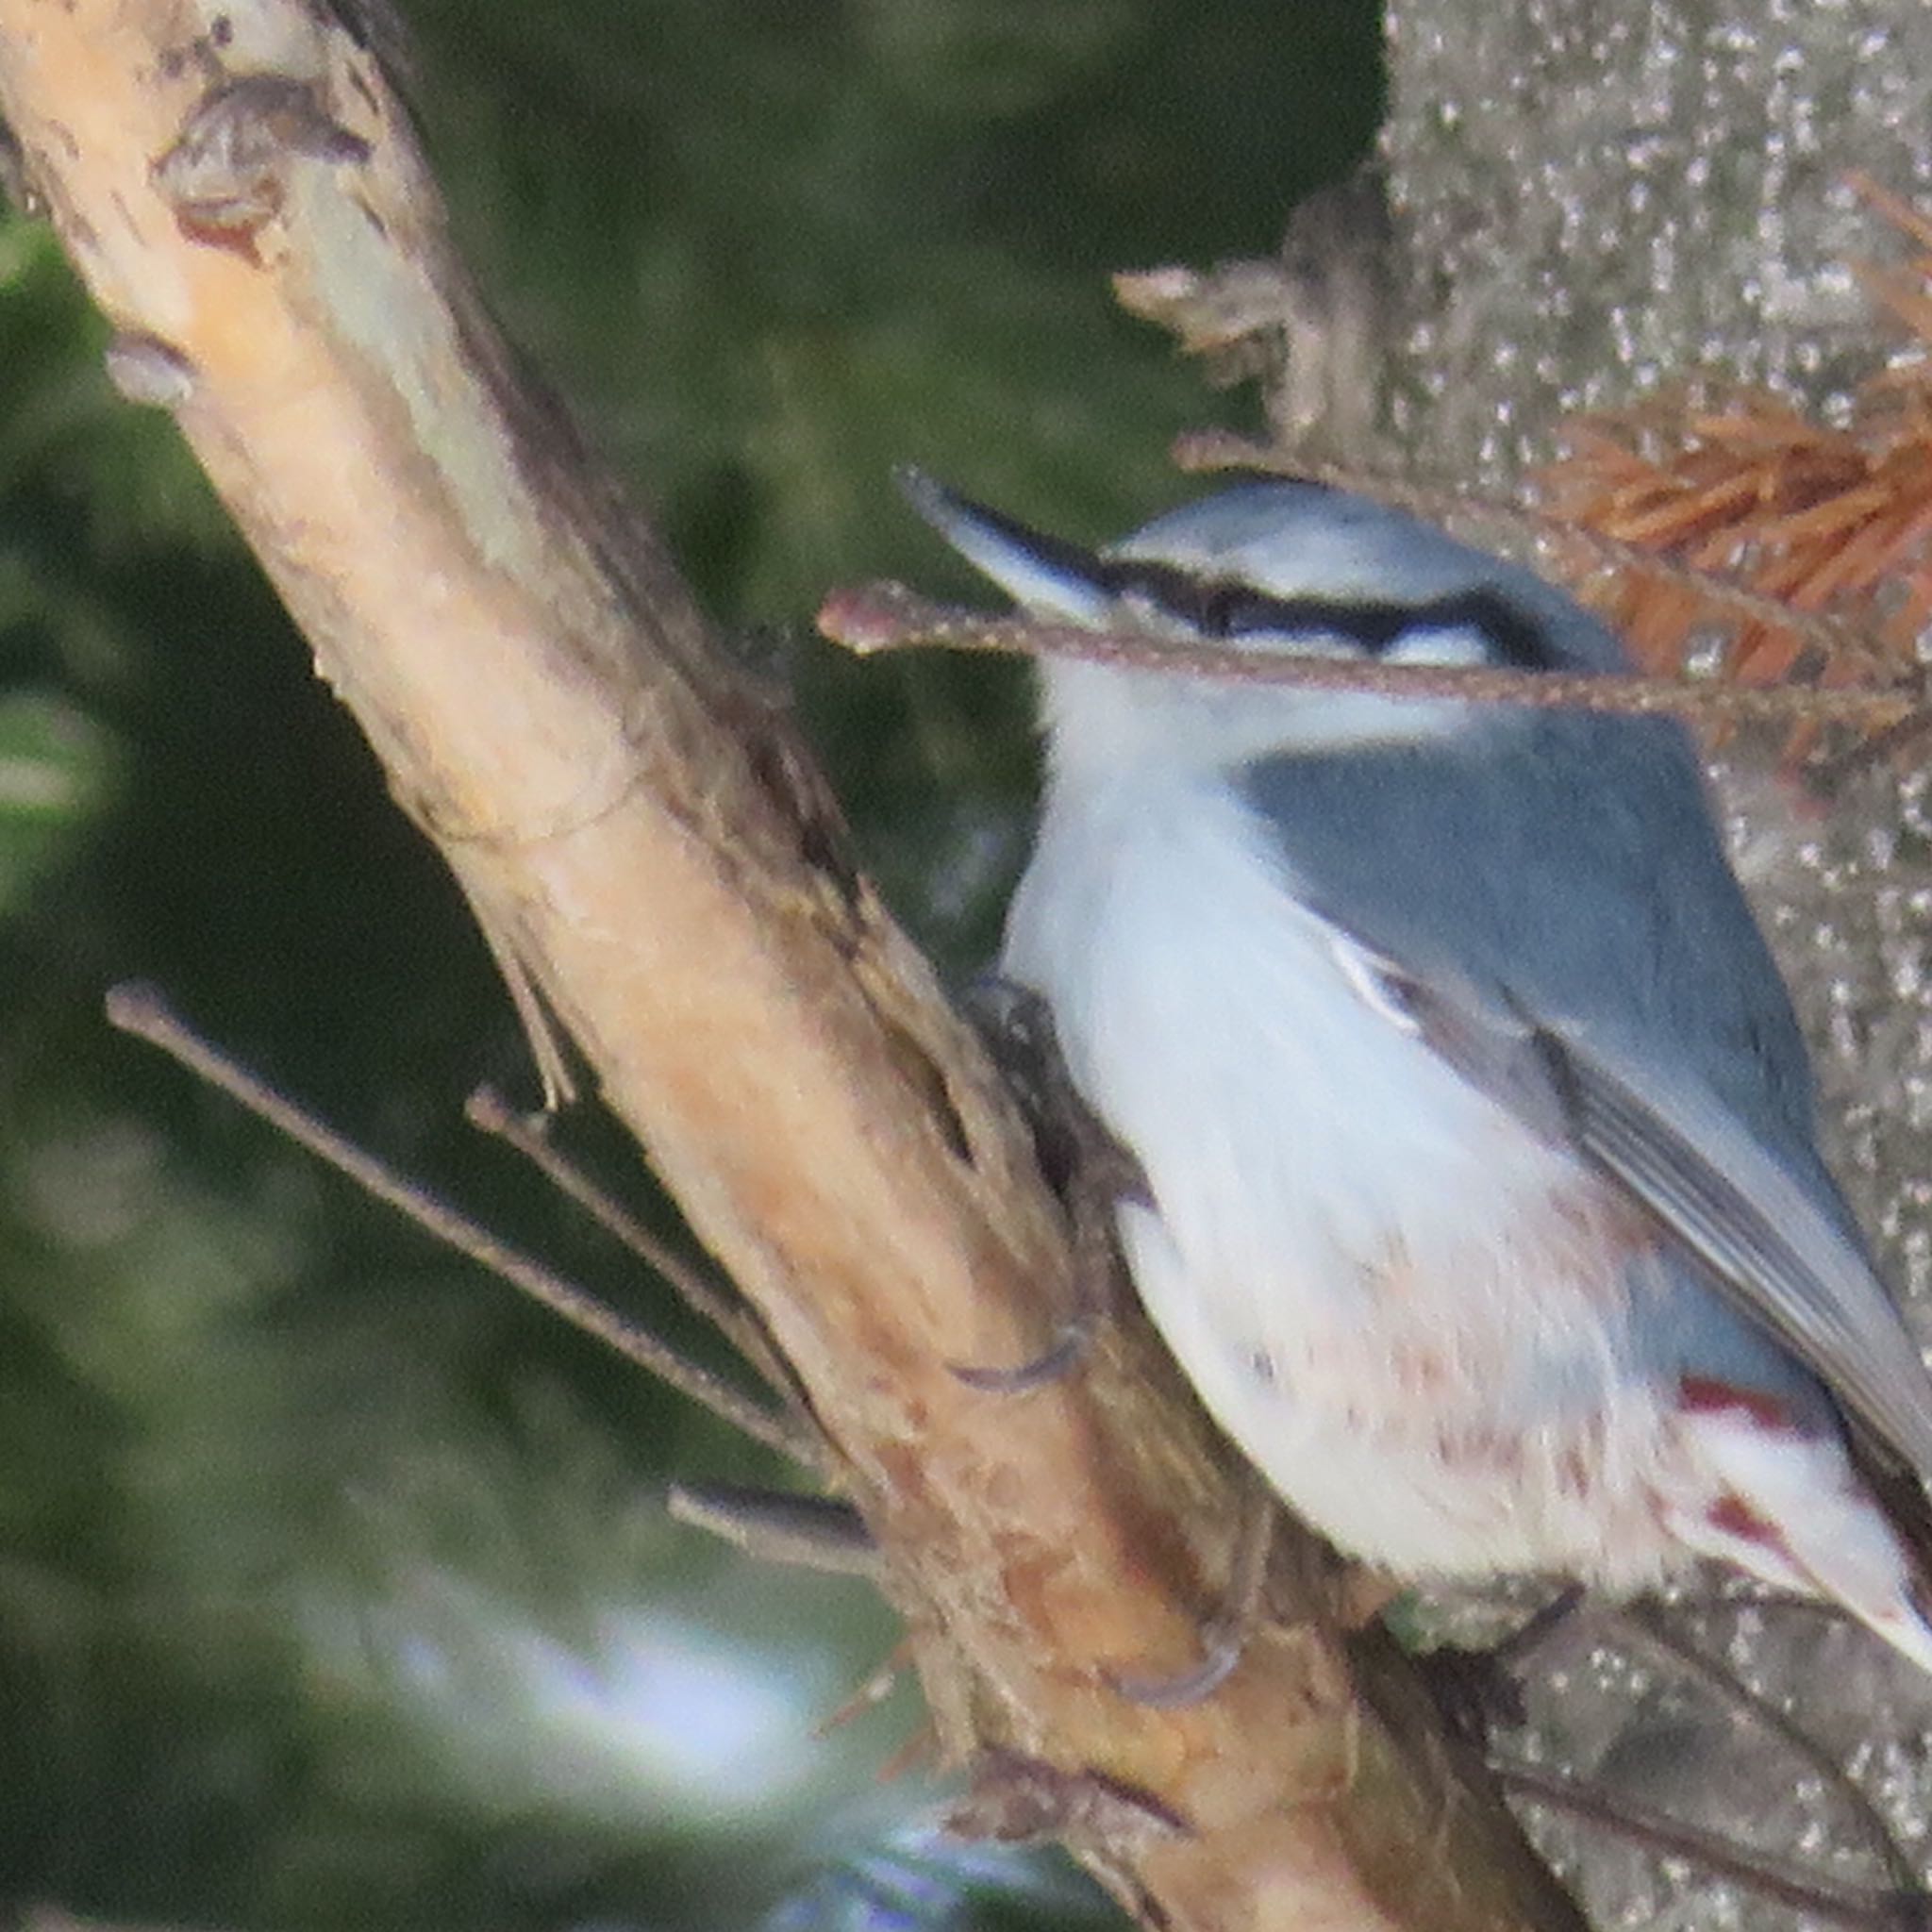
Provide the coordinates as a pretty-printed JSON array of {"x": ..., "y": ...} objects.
[{"x": 335, "y": 1584}]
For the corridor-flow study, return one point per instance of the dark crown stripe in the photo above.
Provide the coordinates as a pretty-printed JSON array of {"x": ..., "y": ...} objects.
[{"x": 1230, "y": 608}]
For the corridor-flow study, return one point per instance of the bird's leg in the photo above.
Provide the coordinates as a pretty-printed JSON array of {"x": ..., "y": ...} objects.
[{"x": 1086, "y": 1166}]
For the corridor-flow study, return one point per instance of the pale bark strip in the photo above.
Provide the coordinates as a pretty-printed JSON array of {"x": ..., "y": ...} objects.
[{"x": 655, "y": 851}]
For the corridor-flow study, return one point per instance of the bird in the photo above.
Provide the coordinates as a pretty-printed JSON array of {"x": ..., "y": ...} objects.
[{"x": 1483, "y": 1201}]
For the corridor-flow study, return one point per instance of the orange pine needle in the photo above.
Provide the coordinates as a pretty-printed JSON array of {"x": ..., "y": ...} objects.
[{"x": 1826, "y": 519}]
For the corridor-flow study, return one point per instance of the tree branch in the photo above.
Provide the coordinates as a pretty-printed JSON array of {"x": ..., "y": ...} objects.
[{"x": 656, "y": 859}]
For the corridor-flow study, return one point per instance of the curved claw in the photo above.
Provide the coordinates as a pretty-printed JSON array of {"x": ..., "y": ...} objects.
[
  {"x": 1224, "y": 1635},
  {"x": 1062, "y": 1358},
  {"x": 1224, "y": 1650},
  {"x": 1093, "y": 1303}
]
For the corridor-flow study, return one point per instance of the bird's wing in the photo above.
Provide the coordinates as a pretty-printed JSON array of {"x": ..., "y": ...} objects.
[
  {"x": 1761, "y": 1231},
  {"x": 1596, "y": 971}
]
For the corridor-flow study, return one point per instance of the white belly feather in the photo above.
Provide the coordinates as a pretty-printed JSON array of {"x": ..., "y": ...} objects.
[{"x": 1390, "y": 1293}]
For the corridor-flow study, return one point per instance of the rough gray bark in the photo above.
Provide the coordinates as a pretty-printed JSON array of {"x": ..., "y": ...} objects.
[{"x": 1598, "y": 196}]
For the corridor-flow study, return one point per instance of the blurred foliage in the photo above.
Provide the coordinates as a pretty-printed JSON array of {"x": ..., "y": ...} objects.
[{"x": 334, "y": 1584}]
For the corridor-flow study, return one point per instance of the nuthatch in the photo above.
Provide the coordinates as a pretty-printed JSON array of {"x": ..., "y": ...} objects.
[{"x": 1483, "y": 1207}]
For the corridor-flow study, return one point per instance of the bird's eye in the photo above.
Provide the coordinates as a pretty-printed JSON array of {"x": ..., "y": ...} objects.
[
  {"x": 1211, "y": 611},
  {"x": 1235, "y": 610}
]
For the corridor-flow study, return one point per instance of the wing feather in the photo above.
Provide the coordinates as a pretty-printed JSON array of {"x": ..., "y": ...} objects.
[
  {"x": 1781, "y": 1261},
  {"x": 1600, "y": 976},
  {"x": 1769, "y": 1247}
]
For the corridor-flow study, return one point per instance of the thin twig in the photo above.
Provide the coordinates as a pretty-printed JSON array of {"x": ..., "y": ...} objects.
[
  {"x": 1864, "y": 1908},
  {"x": 140, "y": 1009},
  {"x": 888, "y": 617},
  {"x": 526, "y": 1134},
  {"x": 879, "y": 1686},
  {"x": 822, "y": 1533}
]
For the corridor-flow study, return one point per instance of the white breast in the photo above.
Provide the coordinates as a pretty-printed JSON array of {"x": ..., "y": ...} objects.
[{"x": 1393, "y": 1296}]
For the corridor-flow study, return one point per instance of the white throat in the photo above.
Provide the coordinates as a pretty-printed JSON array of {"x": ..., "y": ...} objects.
[{"x": 1105, "y": 719}]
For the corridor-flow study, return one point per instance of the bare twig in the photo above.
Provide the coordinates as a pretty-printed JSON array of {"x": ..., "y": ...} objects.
[
  {"x": 528, "y": 1134},
  {"x": 888, "y": 617},
  {"x": 140, "y": 1009},
  {"x": 820, "y": 1533}
]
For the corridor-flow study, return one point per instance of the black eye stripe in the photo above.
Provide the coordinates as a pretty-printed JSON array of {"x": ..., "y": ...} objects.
[{"x": 1229, "y": 608}]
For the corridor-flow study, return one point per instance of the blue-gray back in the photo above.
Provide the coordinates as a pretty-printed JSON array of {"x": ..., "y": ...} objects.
[{"x": 1568, "y": 862}]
